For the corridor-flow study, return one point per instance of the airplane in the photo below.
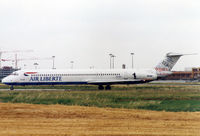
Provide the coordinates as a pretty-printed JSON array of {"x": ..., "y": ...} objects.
[{"x": 103, "y": 78}]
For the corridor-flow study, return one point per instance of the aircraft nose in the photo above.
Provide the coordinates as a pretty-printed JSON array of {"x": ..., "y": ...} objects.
[{"x": 5, "y": 80}]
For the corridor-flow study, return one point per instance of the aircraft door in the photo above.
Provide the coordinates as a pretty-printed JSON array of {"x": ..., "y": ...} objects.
[{"x": 134, "y": 75}]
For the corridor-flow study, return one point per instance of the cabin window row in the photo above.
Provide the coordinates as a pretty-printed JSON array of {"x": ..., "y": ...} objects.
[{"x": 103, "y": 74}]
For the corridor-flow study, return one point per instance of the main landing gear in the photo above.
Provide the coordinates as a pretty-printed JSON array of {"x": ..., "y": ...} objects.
[
  {"x": 101, "y": 87},
  {"x": 108, "y": 87}
]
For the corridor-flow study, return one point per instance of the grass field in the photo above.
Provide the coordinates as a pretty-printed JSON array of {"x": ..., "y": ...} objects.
[
  {"x": 151, "y": 97},
  {"x": 60, "y": 120},
  {"x": 74, "y": 111}
]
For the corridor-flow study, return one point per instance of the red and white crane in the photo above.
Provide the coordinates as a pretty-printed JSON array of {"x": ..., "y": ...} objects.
[
  {"x": 25, "y": 59},
  {"x": 13, "y": 51}
]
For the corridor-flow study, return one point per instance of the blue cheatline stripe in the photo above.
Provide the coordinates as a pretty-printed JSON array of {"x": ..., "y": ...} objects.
[
  {"x": 45, "y": 83},
  {"x": 74, "y": 83}
]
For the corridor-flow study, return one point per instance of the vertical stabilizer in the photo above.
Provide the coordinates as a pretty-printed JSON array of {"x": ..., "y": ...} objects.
[{"x": 166, "y": 65}]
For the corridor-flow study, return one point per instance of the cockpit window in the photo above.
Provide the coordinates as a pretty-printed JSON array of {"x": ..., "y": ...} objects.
[
  {"x": 25, "y": 74},
  {"x": 15, "y": 74}
]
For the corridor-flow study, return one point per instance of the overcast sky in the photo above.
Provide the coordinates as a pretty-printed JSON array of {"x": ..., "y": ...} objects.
[{"x": 87, "y": 31}]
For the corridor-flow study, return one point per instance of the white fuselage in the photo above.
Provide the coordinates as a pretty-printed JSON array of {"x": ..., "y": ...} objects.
[{"x": 91, "y": 76}]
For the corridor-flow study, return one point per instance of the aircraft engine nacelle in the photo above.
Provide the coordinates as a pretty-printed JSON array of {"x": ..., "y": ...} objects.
[{"x": 147, "y": 75}]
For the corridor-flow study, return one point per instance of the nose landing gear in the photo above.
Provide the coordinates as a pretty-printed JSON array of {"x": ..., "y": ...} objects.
[{"x": 11, "y": 87}]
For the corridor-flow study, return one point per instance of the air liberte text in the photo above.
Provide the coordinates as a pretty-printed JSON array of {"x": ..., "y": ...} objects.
[{"x": 45, "y": 79}]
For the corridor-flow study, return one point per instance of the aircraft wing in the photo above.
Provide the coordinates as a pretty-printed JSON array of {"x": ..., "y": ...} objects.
[{"x": 100, "y": 82}]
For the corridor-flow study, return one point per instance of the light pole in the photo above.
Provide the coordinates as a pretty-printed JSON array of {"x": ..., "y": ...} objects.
[
  {"x": 113, "y": 56},
  {"x": 72, "y": 62},
  {"x": 0, "y": 58},
  {"x": 16, "y": 61},
  {"x": 53, "y": 57},
  {"x": 35, "y": 64},
  {"x": 132, "y": 59},
  {"x": 110, "y": 60}
]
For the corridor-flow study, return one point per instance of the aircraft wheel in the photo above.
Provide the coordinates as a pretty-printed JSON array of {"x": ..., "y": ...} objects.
[
  {"x": 11, "y": 87},
  {"x": 101, "y": 87},
  {"x": 108, "y": 87}
]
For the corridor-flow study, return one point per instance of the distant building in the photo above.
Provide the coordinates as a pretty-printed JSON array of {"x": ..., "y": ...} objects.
[
  {"x": 5, "y": 71},
  {"x": 194, "y": 74}
]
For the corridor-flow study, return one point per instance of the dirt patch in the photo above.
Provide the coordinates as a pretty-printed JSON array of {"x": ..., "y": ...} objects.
[{"x": 58, "y": 120}]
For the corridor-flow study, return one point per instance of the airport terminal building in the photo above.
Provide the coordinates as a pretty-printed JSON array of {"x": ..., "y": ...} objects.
[{"x": 193, "y": 74}]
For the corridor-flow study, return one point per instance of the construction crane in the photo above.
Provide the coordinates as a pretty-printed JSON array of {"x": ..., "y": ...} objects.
[
  {"x": 25, "y": 59},
  {"x": 14, "y": 51}
]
